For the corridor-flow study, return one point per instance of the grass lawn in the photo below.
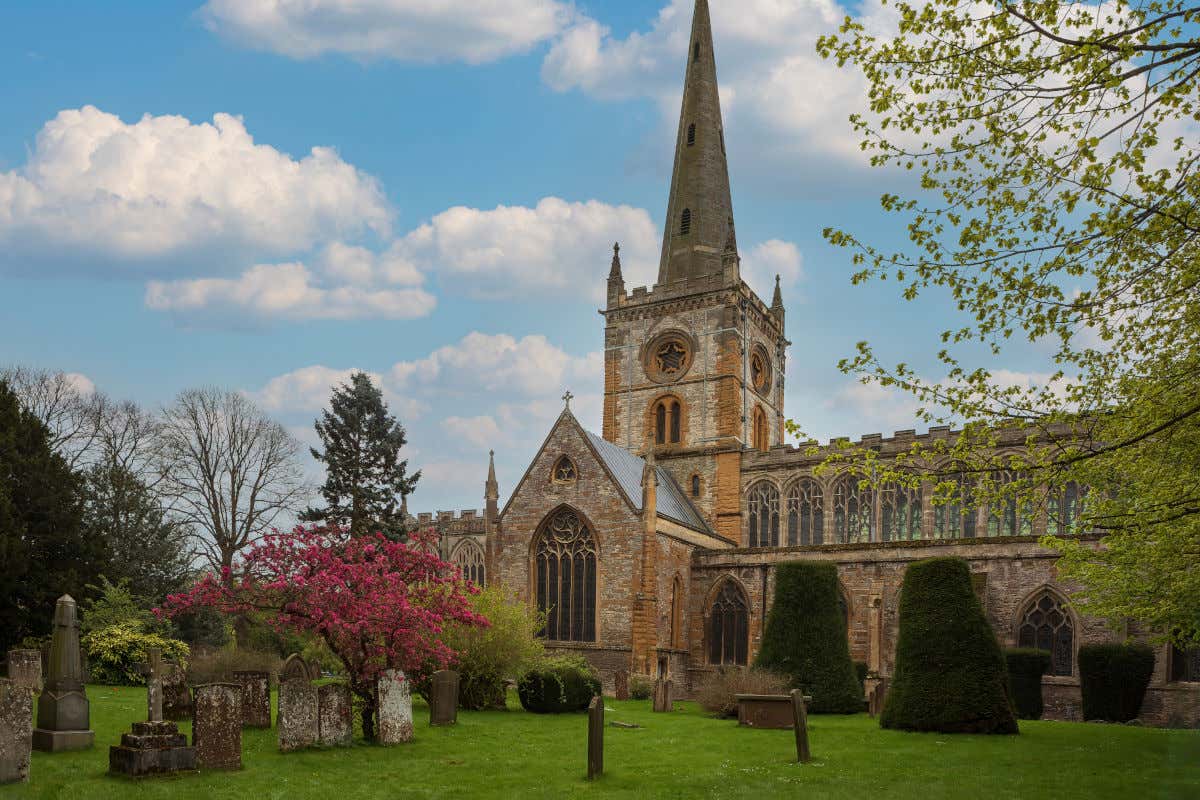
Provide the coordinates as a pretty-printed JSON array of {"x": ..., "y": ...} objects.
[{"x": 684, "y": 754}]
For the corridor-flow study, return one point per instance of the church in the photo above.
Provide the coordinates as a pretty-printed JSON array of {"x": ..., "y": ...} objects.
[{"x": 651, "y": 545}]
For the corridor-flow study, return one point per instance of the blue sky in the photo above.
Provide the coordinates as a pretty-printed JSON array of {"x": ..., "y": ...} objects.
[{"x": 165, "y": 221}]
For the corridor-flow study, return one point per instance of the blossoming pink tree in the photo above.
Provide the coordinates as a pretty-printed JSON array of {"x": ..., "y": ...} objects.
[{"x": 378, "y": 604}]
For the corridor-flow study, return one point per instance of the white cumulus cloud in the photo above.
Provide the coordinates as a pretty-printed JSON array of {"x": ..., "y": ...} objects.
[
  {"x": 473, "y": 31},
  {"x": 773, "y": 257}
]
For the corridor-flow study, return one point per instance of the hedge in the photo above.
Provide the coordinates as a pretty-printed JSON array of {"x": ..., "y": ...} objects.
[
  {"x": 1026, "y": 666},
  {"x": 860, "y": 671},
  {"x": 805, "y": 638},
  {"x": 558, "y": 685},
  {"x": 1113, "y": 679},
  {"x": 950, "y": 675}
]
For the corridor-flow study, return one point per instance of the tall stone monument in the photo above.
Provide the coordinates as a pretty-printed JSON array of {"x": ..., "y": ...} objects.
[
  {"x": 154, "y": 747},
  {"x": 64, "y": 716}
]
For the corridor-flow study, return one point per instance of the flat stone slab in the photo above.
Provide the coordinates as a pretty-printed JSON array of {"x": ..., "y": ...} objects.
[{"x": 62, "y": 741}]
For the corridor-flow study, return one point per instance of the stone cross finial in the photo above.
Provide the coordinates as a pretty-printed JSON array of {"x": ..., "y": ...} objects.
[
  {"x": 567, "y": 398},
  {"x": 153, "y": 670}
]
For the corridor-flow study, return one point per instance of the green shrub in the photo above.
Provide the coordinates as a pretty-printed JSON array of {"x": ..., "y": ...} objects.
[
  {"x": 805, "y": 638},
  {"x": 116, "y": 654},
  {"x": 114, "y": 603},
  {"x": 950, "y": 675},
  {"x": 558, "y": 685},
  {"x": 718, "y": 692},
  {"x": 1113, "y": 679},
  {"x": 489, "y": 656},
  {"x": 641, "y": 687},
  {"x": 1026, "y": 666}
]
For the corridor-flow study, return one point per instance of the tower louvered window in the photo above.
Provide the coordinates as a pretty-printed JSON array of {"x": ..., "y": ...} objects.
[
  {"x": 805, "y": 513},
  {"x": 566, "y": 578},
  {"x": 729, "y": 627},
  {"x": 685, "y": 222},
  {"x": 691, "y": 134}
]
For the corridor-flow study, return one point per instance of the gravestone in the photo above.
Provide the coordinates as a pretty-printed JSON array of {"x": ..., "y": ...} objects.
[
  {"x": 622, "y": 684},
  {"x": 663, "y": 689},
  {"x": 877, "y": 697},
  {"x": 16, "y": 731},
  {"x": 395, "y": 708},
  {"x": 217, "y": 726},
  {"x": 596, "y": 738},
  {"x": 25, "y": 669},
  {"x": 443, "y": 698},
  {"x": 297, "y": 720},
  {"x": 294, "y": 666},
  {"x": 177, "y": 697},
  {"x": 64, "y": 716},
  {"x": 155, "y": 747},
  {"x": 335, "y": 727},
  {"x": 800, "y": 722},
  {"x": 256, "y": 698},
  {"x": 154, "y": 685}
]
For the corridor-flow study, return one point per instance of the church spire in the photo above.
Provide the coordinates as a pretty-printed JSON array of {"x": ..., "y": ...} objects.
[{"x": 699, "y": 228}]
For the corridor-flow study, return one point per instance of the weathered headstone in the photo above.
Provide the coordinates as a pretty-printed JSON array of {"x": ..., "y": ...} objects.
[
  {"x": 622, "y": 684},
  {"x": 297, "y": 720},
  {"x": 395, "y": 708},
  {"x": 25, "y": 669},
  {"x": 256, "y": 698},
  {"x": 800, "y": 722},
  {"x": 596, "y": 738},
  {"x": 177, "y": 696},
  {"x": 335, "y": 726},
  {"x": 217, "y": 726},
  {"x": 154, "y": 686},
  {"x": 443, "y": 698},
  {"x": 663, "y": 688},
  {"x": 64, "y": 716},
  {"x": 295, "y": 667},
  {"x": 16, "y": 731}
]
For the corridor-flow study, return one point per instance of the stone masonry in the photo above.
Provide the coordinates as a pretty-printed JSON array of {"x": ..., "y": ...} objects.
[{"x": 16, "y": 731}]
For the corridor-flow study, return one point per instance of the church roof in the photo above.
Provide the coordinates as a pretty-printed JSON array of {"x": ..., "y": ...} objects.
[{"x": 627, "y": 469}]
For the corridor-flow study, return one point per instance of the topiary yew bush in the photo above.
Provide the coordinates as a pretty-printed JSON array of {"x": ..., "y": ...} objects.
[
  {"x": 558, "y": 685},
  {"x": 805, "y": 638},
  {"x": 1026, "y": 666},
  {"x": 950, "y": 675},
  {"x": 1113, "y": 679}
]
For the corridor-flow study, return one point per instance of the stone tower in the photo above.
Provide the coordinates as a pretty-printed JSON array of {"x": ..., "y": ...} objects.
[{"x": 694, "y": 365}]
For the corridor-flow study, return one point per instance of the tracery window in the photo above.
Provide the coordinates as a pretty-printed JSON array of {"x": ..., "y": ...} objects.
[
  {"x": 564, "y": 471},
  {"x": 853, "y": 511},
  {"x": 761, "y": 432},
  {"x": 805, "y": 513},
  {"x": 1046, "y": 625},
  {"x": 729, "y": 627},
  {"x": 764, "y": 515},
  {"x": 565, "y": 566},
  {"x": 685, "y": 222},
  {"x": 695, "y": 486},
  {"x": 900, "y": 512},
  {"x": 1011, "y": 515},
  {"x": 1185, "y": 664},
  {"x": 956, "y": 518},
  {"x": 668, "y": 421},
  {"x": 1066, "y": 508},
  {"x": 760, "y": 372},
  {"x": 469, "y": 559}
]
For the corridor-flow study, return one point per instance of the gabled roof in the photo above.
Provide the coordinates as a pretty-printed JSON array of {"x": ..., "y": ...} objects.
[{"x": 627, "y": 470}]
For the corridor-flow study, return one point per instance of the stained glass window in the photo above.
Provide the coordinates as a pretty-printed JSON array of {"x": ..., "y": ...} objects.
[
  {"x": 729, "y": 626},
  {"x": 900, "y": 512},
  {"x": 469, "y": 559},
  {"x": 566, "y": 578},
  {"x": 564, "y": 471},
  {"x": 853, "y": 511},
  {"x": 764, "y": 515},
  {"x": 805, "y": 513},
  {"x": 1047, "y": 625}
]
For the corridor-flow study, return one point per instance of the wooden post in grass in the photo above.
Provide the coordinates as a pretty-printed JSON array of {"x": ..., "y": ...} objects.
[
  {"x": 800, "y": 718},
  {"x": 596, "y": 738}
]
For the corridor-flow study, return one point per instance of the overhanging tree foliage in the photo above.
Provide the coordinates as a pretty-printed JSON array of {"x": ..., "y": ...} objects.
[
  {"x": 1056, "y": 147},
  {"x": 366, "y": 480}
]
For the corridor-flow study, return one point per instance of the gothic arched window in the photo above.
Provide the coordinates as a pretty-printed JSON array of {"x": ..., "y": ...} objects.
[
  {"x": 1011, "y": 515},
  {"x": 668, "y": 421},
  {"x": 1046, "y": 625},
  {"x": 956, "y": 518},
  {"x": 564, "y": 471},
  {"x": 853, "y": 512},
  {"x": 900, "y": 512},
  {"x": 1185, "y": 664},
  {"x": 729, "y": 627},
  {"x": 685, "y": 222},
  {"x": 677, "y": 613},
  {"x": 695, "y": 486},
  {"x": 761, "y": 431},
  {"x": 469, "y": 559},
  {"x": 805, "y": 513},
  {"x": 764, "y": 515},
  {"x": 1066, "y": 508},
  {"x": 565, "y": 566}
]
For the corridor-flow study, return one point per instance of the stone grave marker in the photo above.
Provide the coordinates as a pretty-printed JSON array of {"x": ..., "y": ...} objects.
[
  {"x": 663, "y": 689},
  {"x": 153, "y": 670},
  {"x": 16, "y": 730},
  {"x": 443, "y": 698},
  {"x": 297, "y": 721},
  {"x": 64, "y": 715},
  {"x": 800, "y": 721},
  {"x": 595, "y": 738},
  {"x": 395, "y": 708},
  {"x": 155, "y": 747},
  {"x": 295, "y": 667},
  {"x": 25, "y": 669},
  {"x": 335, "y": 726},
  {"x": 177, "y": 697},
  {"x": 256, "y": 698},
  {"x": 217, "y": 726},
  {"x": 877, "y": 697},
  {"x": 622, "y": 684}
]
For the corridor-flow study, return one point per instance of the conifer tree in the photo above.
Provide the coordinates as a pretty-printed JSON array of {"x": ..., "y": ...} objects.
[{"x": 366, "y": 480}]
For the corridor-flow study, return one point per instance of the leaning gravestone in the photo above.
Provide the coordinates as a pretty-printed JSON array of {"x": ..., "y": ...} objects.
[
  {"x": 335, "y": 727},
  {"x": 25, "y": 669},
  {"x": 217, "y": 726},
  {"x": 256, "y": 698},
  {"x": 596, "y": 738},
  {"x": 395, "y": 708},
  {"x": 662, "y": 695},
  {"x": 16, "y": 731},
  {"x": 64, "y": 716},
  {"x": 443, "y": 698},
  {"x": 297, "y": 719},
  {"x": 177, "y": 697},
  {"x": 154, "y": 747}
]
